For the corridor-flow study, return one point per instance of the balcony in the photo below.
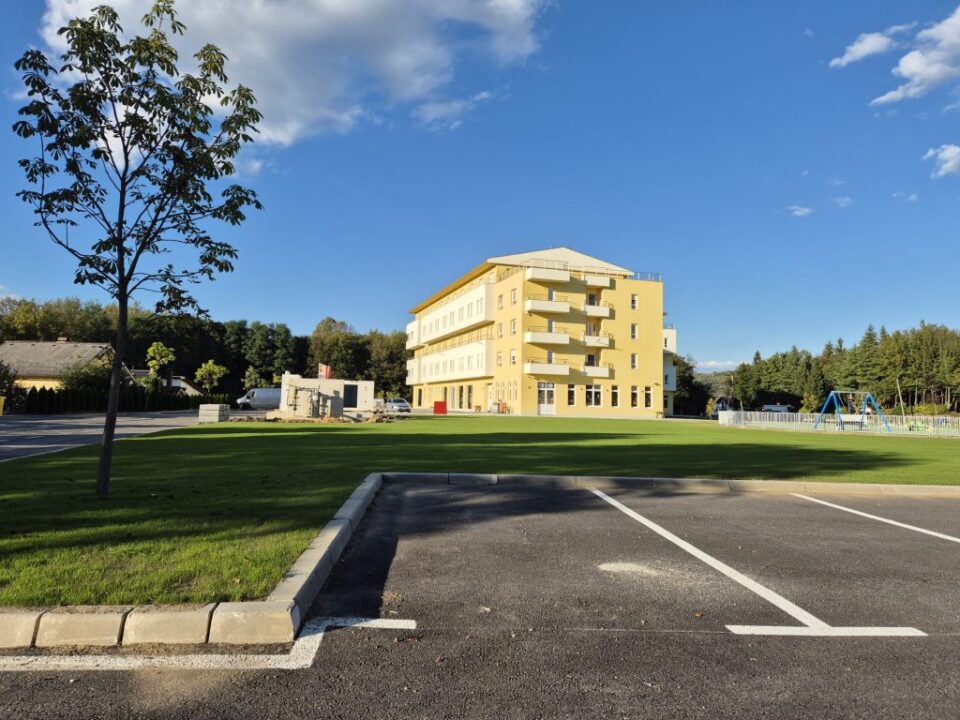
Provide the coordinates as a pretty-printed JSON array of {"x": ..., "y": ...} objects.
[
  {"x": 598, "y": 281},
  {"x": 541, "y": 336},
  {"x": 603, "y": 310},
  {"x": 413, "y": 335},
  {"x": 537, "y": 274},
  {"x": 544, "y": 304},
  {"x": 598, "y": 341},
  {"x": 597, "y": 371},
  {"x": 543, "y": 367}
]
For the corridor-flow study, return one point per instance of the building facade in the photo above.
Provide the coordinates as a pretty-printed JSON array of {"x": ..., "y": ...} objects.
[{"x": 550, "y": 332}]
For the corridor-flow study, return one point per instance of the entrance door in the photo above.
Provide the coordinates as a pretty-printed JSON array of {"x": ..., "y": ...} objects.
[{"x": 546, "y": 399}]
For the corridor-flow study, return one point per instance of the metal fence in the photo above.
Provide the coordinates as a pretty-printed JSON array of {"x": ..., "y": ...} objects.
[{"x": 912, "y": 425}]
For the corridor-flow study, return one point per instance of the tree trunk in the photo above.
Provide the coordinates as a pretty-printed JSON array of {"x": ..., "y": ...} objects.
[{"x": 113, "y": 400}]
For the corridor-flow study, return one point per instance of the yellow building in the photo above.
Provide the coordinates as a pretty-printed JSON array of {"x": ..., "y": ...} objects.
[{"x": 550, "y": 332}]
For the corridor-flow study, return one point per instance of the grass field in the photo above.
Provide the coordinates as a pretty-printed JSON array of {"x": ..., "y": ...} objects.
[{"x": 219, "y": 512}]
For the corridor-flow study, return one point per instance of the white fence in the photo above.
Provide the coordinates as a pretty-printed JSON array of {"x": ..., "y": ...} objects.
[{"x": 912, "y": 425}]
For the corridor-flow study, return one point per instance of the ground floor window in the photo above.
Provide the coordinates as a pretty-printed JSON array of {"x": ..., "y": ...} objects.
[
  {"x": 571, "y": 395},
  {"x": 615, "y": 396},
  {"x": 634, "y": 396},
  {"x": 469, "y": 397},
  {"x": 593, "y": 396},
  {"x": 648, "y": 397},
  {"x": 460, "y": 398},
  {"x": 420, "y": 397}
]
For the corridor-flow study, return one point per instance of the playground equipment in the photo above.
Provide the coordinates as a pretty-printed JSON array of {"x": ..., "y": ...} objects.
[{"x": 852, "y": 406}]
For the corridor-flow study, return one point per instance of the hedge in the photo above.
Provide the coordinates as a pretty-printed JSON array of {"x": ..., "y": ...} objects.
[{"x": 51, "y": 402}]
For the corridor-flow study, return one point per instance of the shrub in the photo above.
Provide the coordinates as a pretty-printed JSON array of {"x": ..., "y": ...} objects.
[
  {"x": 93, "y": 376},
  {"x": 15, "y": 395}
]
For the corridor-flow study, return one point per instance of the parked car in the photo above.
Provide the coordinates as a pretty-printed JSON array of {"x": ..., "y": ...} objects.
[
  {"x": 397, "y": 405},
  {"x": 776, "y": 408},
  {"x": 260, "y": 399}
]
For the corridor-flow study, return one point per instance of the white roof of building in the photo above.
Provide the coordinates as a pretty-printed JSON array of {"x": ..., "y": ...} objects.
[{"x": 560, "y": 258}]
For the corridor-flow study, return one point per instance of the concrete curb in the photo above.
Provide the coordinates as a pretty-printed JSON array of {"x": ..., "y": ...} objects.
[
  {"x": 168, "y": 624},
  {"x": 18, "y": 628},
  {"x": 84, "y": 625},
  {"x": 687, "y": 485}
]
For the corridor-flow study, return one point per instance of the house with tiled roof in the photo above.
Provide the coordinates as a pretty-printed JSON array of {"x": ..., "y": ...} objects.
[{"x": 44, "y": 364}]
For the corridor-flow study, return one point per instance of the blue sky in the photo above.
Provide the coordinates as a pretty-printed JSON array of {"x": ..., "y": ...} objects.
[{"x": 407, "y": 140}]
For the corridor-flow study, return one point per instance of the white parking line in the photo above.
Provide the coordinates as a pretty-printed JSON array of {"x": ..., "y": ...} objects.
[
  {"x": 301, "y": 655},
  {"x": 942, "y": 536},
  {"x": 813, "y": 626}
]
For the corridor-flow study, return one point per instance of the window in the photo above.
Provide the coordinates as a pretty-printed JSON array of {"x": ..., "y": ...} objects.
[
  {"x": 469, "y": 397},
  {"x": 499, "y": 359},
  {"x": 461, "y": 314},
  {"x": 593, "y": 396},
  {"x": 499, "y": 302},
  {"x": 470, "y": 310},
  {"x": 571, "y": 395},
  {"x": 499, "y": 330},
  {"x": 513, "y": 327},
  {"x": 633, "y": 302},
  {"x": 633, "y": 331},
  {"x": 615, "y": 396},
  {"x": 591, "y": 298},
  {"x": 647, "y": 397},
  {"x": 513, "y": 296},
  {"x": 513, "y": 357},
  {"x": 634, "y": 396},
  {"x": 591, "y": 360},
  {"x": 633, "y": 361},
  {"x": 460, "y": 398}
]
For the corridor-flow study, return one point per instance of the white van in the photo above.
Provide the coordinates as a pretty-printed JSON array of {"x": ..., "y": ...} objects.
[{"x": 260, "y": 399}]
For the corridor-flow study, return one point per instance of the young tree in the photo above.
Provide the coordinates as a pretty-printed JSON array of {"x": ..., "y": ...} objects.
[
  {"x": 252, "y": 379},
  {"x": 131, "y": 154},
  {"x": 158, "y": 355},
  {"x": 209, "y": 374}
]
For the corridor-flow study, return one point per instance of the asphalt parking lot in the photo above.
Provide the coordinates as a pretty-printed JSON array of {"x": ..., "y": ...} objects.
[{"x": 535, "y": 602}]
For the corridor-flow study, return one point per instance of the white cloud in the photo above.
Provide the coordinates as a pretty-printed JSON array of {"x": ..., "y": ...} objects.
[
  {"x": 843, "y": 202},
  {"x": 906, "y": 197},
  {"x": 326, "y": 65},
  {"x": 799, "y": 211},
  {"x": 836, "y": 182},
  {"x": 448, "y": 114},
  {"x": 714, "y": 365},
  {"x": 868, "y": 44},
  {"x": 946, "y": 158},
  {"x": 934, "y": 59},
  {"x": 808, "y": 32}
]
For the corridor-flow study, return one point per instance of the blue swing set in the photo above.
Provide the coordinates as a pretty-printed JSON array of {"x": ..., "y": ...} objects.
[{"x": 851, "y": 402}]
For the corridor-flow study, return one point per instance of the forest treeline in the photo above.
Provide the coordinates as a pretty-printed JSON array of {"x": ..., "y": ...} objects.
[
  {"x": 268, "y": 348},
  {"x": 914, "y": 370}
]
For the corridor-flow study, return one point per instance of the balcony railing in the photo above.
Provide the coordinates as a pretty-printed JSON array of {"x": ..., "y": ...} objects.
[
  {"x": 542, "y": 336},
  {"x": 601, "y": 340},
  {"x": 546, "y": 304},
  {"x": 602, "y": 309},
  {"x": 541, "y": 366}
]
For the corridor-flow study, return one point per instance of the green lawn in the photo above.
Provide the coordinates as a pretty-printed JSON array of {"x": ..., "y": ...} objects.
[{"x": 219, "y": 512}]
